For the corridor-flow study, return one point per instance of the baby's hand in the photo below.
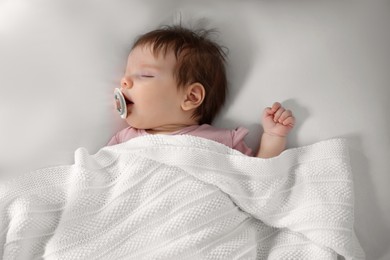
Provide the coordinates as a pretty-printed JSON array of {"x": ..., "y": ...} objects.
[{"x": 277, "y": 121}]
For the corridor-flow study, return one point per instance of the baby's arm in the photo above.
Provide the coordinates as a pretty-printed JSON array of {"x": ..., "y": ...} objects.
[{"x": 277, "y": 123}]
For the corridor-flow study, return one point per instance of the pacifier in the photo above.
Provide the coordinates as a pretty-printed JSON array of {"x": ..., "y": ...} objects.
[{"x": 120, "y": 103}]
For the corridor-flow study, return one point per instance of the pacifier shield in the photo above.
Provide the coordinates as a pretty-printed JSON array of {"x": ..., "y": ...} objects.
[{"x": 120, "y": 103}]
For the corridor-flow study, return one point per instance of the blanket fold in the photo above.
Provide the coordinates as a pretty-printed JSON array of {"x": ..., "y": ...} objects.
[{"x": 183, "y": 197}]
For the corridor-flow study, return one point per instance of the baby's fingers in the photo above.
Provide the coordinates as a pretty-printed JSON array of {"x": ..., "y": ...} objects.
[
  {"x": 278, "y": 114},
  {"x": 275, "y": 107},
  {"x": 286, "y": 114},
  {"x": 288, "y": 121},
  {"x": 270, "y": 111}
]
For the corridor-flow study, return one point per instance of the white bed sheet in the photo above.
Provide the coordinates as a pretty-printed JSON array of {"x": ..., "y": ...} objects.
[{"x": 327, "y": 61}]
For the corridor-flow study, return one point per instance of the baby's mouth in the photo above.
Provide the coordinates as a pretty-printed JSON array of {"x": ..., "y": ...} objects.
[{"x": 128, "y": 101}]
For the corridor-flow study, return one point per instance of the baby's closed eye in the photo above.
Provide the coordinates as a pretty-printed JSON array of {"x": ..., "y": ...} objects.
[{"x": 147, "y": 76}]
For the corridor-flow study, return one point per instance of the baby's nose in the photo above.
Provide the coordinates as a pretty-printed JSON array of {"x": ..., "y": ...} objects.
[{"x": 125, "y": 83}]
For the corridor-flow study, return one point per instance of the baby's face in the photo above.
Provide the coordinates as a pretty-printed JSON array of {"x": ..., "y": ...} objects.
[{"x": 149, "y": 85}]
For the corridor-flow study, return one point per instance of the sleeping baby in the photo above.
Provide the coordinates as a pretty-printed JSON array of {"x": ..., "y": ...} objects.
[{"x": 175, "y": 83}]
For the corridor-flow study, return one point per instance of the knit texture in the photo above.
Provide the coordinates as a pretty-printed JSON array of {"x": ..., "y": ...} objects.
[{"x": 183, "y": 197}]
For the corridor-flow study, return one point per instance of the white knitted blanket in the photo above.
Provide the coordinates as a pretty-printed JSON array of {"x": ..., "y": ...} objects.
[{"x": 183, "y": 197}]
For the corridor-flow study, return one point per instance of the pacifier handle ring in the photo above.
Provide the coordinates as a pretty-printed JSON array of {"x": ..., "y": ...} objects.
[{"x": 120, "y": 103}]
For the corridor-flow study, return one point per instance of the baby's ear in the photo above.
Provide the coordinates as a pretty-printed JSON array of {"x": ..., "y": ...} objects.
[{"x": 194, "y": 96}]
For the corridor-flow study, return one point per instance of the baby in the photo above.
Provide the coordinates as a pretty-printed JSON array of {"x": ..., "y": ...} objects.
[{"x": 175, "y": 83}]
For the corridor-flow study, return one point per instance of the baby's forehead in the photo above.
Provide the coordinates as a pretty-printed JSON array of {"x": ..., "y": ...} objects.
[
  {"x": 146, "y": 55},
  {"x": 158, "y": 51}
]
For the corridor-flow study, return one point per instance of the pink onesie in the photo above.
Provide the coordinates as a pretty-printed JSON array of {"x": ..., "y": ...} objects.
[{"x": 232, "y": 138}]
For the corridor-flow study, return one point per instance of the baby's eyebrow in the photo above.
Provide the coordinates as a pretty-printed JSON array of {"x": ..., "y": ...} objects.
[{"x": 150, "y": 66}]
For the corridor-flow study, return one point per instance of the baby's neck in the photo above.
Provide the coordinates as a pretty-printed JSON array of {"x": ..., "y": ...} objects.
[{"x": 167, "y": 129}]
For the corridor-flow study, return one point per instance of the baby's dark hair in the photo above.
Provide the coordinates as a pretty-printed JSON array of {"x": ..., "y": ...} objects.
[{"x": 199, "y": 60}]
